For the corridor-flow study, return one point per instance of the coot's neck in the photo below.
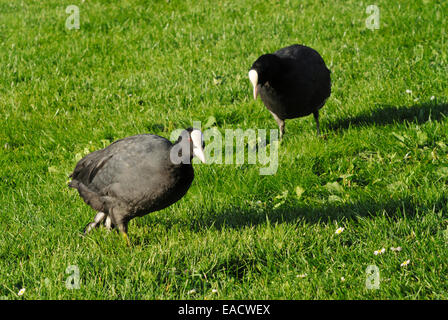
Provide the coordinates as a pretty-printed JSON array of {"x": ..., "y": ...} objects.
[
  {"x": 181, "y": 152},
  {"x": 272, "y": 70}
]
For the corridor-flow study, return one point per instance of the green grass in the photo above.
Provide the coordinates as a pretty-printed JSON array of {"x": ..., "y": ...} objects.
[{"x": 155, "y": 66}]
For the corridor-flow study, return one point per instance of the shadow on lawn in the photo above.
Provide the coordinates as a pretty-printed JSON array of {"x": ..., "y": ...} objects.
[
  {"x": 235, "y": 217},
  {"x": 386, "y": 114}
]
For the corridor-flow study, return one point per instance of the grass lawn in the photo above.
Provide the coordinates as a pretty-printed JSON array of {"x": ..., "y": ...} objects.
[{"x": 380, "y": 171}]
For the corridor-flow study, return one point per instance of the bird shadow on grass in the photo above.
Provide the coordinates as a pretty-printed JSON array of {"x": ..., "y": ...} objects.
[
  {"x": 237, "y": 217},
  {"x": 386, "y": 114}
]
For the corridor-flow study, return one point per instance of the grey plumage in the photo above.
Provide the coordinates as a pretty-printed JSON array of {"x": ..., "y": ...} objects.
[{"x": 133, "y": 177}]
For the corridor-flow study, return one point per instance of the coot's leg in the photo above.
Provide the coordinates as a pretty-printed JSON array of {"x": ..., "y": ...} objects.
[
  {"x": 118, "y": 217},
  {"x": 123, "y": 227},
  {"x": 100, "y": 216},
  {"x": 108, "y": 223},
  {"x": 282, "y": 128},
  {"x": 281, "y": 124},
  {"x": 316, "y": 117}
]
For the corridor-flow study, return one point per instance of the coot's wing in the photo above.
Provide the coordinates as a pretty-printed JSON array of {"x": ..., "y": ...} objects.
[
  {"x": 300, "y": 53},
  {"x": 88, "y": 167},
  {"x": 305, "y": 69},
  {"x": 127, "y": 153},
  {"x": 292, "y": 52}
]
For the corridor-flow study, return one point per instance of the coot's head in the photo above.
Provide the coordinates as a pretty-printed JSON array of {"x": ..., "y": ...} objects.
[
  {"x": 189, "y": 144},
  {"x": 264, "y": 69}
]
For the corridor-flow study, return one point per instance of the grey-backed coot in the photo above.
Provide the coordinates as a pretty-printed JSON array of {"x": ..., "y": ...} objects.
[
  {"x": 292, "y": 82},
  {"x": 135, "y": 176}
]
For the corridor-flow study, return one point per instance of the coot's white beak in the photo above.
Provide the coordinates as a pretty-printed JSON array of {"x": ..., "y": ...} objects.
[
  {"x": 196, "y": 137},
  {"x": 253, "y": 77}
]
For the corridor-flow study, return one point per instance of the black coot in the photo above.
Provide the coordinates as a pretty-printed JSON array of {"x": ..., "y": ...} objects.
[
  {"x": 135, "y": 176},
  {"x": 292, "y": 82}
]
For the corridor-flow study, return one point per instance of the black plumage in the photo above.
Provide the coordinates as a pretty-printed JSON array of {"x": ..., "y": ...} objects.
[
  {"x": 135, "y": 176},
  {"x": 292, "y": 82}
]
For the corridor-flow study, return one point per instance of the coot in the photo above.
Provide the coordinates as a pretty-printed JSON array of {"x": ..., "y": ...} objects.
[
  {"x": 292, "y": 82},
  {"x": 135, "y": 176}
]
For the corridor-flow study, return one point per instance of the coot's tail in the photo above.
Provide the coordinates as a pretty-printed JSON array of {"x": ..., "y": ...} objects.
[{"x": 93, "y": 199}]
